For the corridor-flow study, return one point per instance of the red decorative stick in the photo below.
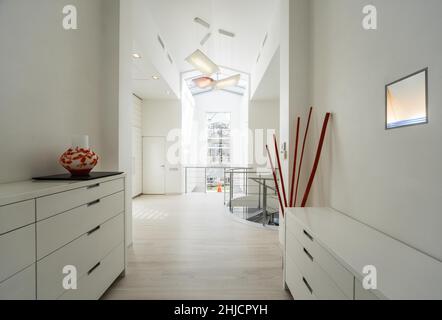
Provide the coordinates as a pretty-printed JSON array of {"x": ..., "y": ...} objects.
[
  {"x": 280, "y": 170},
  {"x": 302, "y": 154},
  {"x": 318, "y": 157},
  {"x": 295, "y": 160},
  {"x": 276, "y": 180}
]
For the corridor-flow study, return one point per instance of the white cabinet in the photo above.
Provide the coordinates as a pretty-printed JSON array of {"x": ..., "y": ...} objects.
[
  {"x": 20, "y": 286},
  {"x": 17, "y": 251},
  {"x": 79, "y": 224},
  {"x": 326, "y": 253}
]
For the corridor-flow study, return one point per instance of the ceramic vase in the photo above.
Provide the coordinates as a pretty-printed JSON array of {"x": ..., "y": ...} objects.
[{"x": 79, "y": 160}]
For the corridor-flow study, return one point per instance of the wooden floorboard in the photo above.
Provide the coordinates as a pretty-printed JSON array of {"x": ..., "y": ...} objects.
[{"x": 187, "y": 247}]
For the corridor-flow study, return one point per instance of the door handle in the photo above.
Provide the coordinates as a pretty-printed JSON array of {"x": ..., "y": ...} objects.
[
  {"x": 308, "y": 235},
  {"x": 94, "y": 230},
  {"x": 308, "y": 254},
  {"x": 93, "y": 268},
  {"x": 93, "y": 186},
  {"x": 90, "y": 204},
  {"x": 307, "y": 285}
]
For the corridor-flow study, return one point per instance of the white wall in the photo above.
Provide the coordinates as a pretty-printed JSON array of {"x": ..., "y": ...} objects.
[
  {"x": 146, "y": 42},
  {"x": 56, "y": 83},
  {"x": 263, "y": 123},
  {"x": 269, "y": 49},
  {"x": 294, "y": 80},
  {"x": 162, "y": 118},
  {"x": 390, "y": 180}
]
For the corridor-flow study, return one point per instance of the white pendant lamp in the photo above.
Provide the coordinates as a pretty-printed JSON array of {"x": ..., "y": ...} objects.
[
  {"x": 228, "y": 82},
  {"x": 202, "y": 63}
]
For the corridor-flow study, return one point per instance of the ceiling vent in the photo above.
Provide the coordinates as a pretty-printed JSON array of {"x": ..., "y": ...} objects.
[
  {"x": 170, "y": 58},
  {"x": 200, "y": 21},
  {"x": 161, "y": 42},
  {"x": 265, "y": 40},
  {"x": 226, "y": 33}
]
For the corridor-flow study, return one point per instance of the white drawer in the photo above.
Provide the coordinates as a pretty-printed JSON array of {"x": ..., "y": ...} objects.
[
  {"x": 362, "y": 294},
  {"x": 61, "y": 202},
  {"x": 19, "y": 287},
  {"x": 17, "y": 215},
  {"x": 55, "y": 232},
  {"x": 17, "y": 251},
  {"x": 297, "y": 283},
  {"x": 95, "y": 283},
  {"x": 340, "y": 275},
  {"x": 84, "y": 253},
  {"x": 321, "y": 283}
]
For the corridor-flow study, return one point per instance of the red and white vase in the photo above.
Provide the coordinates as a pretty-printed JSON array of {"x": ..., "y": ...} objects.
[{"x": 80, "y": 159}]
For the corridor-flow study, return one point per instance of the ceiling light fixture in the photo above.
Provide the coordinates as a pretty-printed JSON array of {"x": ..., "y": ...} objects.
[
  {"x": 226, "y": 33},
  {"x": 156, "y": 77},
  {"x": 228, "y": 82},
  {"x": 200, "y": 21},
  {"x": 202, "y": 63},
  {"x": 203, "y": 82},
  {"x": 136, "y": 56}
]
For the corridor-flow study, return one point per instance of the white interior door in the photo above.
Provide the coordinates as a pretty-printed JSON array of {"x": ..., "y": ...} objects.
[
  {"x": 154, "y": 165},
  {"x": 137, "y": 159}
]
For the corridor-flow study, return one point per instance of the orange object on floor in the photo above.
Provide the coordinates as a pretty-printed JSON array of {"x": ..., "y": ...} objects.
[{"x": 220, "y": 188}]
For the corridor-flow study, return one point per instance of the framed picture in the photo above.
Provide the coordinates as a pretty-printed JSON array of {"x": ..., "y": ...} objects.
[{"x": 406, "y": 101}]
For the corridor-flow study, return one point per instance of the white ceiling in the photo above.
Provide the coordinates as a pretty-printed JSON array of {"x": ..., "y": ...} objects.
[
  {"x": 269, "y": 88},
  {"x": 248, "y": 19},
  {"x": 144, "y": 86}
]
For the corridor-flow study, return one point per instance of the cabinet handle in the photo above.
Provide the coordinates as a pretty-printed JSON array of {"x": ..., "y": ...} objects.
[
  {"x": 308, "y": 254},
  {"x": 307, "y": 285},
  {"x": 93, "y": 203},
  {"x": 94, "y": 268},
  {"x": 93, "y": 186},
  {"x": 308, "y": 235},
  {"x": 94, "y": 230}
]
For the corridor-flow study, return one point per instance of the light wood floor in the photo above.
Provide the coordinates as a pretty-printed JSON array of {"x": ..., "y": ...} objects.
[{"x": 187, "y": 247}]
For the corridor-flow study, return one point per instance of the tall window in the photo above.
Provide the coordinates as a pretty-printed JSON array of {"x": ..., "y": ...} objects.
[{"x": 219, "y": 138}]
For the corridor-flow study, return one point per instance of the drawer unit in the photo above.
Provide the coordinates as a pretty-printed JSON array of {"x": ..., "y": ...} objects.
[
  {"x": 95, "y": 282},
  {"x": 320, "y": 283},
  {"x": 19, "y": 287},
  {"x": 59, "y": 224},
  {"x": 84, "y": 253},
  {"x": 61, "y": 229},
  {"x": 17, "y": 251},
  {"x": 341, "y": 276},
  {"x": 57, "y": 203},
  {"x": 16, "y": 215},
  {"x": 297, "y": 283}
]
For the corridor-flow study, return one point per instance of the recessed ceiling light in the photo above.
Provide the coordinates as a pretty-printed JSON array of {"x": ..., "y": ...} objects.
[
  {"x": 156, "y": 77},
  {"x": 136, "y": 56}
]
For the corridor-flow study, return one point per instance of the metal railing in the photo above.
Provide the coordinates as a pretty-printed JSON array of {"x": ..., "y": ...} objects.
[
  {"x": 252, "y": 196},
  {"x": 249, "y": 194}
]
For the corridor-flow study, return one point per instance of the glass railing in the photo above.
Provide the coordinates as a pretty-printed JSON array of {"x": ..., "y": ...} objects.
[
  {"x": 252, "y": 196},
  {"x": 249, "y": 194}
]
